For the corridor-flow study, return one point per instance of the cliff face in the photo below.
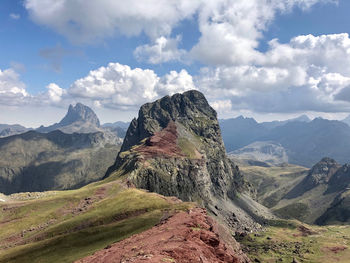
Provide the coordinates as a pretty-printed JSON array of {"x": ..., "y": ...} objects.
[{"x": 175, "y": 148}]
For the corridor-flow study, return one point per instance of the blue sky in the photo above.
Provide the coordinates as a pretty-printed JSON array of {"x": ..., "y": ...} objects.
[{"x": 219, "y": 47}]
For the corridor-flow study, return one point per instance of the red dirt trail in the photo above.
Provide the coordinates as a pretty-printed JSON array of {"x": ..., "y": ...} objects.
[{"x": 186, "y": 237}]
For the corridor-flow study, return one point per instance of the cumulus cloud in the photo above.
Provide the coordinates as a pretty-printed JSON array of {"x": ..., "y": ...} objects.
[
  {"x": 122, "y": 87},
  {"x": 238, "y": 24},
  {"x": 12, "y": 89},
  {"x": 307, "y": 73},
  {"x": 55, "y": 93}
]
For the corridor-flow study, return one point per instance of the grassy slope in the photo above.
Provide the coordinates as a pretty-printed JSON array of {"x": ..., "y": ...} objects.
[
  {"x": 282, "y": 244},
  {"x": 272, "y": 183},
  {"x": 61, "y": 227}
]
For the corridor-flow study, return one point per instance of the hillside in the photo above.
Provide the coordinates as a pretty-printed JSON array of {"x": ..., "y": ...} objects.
[
  {"x": 316, "y": 196},
  {"x": 64, "y": 226},
  {"x": 35, "y": 161}
]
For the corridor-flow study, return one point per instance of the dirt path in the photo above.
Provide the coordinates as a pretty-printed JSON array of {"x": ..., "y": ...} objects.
[{"x": 183, "y": 238}]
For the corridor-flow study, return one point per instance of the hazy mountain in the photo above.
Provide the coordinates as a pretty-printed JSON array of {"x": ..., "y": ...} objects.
[
  {"x": 79, "y": 118},
  {"x": 175, "y": 148},
  {"x": 239, "y": 132},
  {"x": 118, "y": 128},
  {"x": 266, "y": 152},
  {"x": 11, "y": 129},
  {"x": 121, "y": 124},
  {"x": 35, "y": 161},
  {"x": 305, "y": 142},
  {"x": 273, "y": 124}
]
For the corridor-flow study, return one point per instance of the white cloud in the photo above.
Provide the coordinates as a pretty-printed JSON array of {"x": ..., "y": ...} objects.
[
  {"x": 86, "y": 21},
  {"x": 222, "y": 106},
  {"x": 307, "y": 73},
  {"x": 163, "y": 50},
  {"x": 121, "y": 87},
  {"x": 12, "y": 89},
  {"x": 230, "y": 29},
  {"x": 55, "y": 93}
]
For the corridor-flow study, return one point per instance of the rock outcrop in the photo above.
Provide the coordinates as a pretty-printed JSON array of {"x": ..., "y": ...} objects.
[
  {"x": 320, "y": 173},
  {"x": 175, "y": 148}
]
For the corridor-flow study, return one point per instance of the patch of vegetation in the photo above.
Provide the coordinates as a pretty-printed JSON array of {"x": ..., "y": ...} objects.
[
  {"x": 187, "y": 147},
  {"x": 282, "y": 244},
  {"x": 296, "y": 210}
]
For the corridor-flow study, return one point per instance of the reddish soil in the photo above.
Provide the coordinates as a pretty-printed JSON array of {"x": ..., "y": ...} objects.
[
  {"x": 186, "y": 237},
  {"x": 162, "y": 144},
  {"x": 335, "y": 249},
  {"x": 304, "y": 231}
]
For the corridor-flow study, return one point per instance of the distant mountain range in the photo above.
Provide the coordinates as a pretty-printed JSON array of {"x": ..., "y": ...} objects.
[
  {"x": 79, "y": 119},
  {"x": 65, "y": 155},
  {"x": 304, "y": 141},
  {"x": 8, "y": 129}
]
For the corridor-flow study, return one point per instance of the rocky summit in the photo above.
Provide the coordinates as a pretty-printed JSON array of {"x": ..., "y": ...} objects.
[
  {"x": 175, "y": 148},
  {"x": 79, "y": 118}
]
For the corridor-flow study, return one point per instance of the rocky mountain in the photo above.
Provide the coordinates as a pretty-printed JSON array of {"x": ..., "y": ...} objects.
[
  {"x": 79, "y": 118},
  {"x": 175, "y": 148},
  {"x": 320, "y": 196},
  {"x": 268, "y": 153},
  {"x": 35, "y": 161},
  {"x": 8, "y": 129},
  {"x": 304, "y": 142},
  {"x": 82, "y": 119}
]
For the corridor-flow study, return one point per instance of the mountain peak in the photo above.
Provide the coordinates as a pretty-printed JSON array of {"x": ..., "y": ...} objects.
[
  {"x": 80, "y": 112},
  {"x": 175, "y": 148}
]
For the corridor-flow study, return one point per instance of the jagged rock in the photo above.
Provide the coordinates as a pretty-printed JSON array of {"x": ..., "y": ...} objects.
[
  {"x": 175, "y": 148},
  {"x": 320, "y": 173}
]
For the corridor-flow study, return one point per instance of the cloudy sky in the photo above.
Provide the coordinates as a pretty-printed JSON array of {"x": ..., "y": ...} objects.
[{"x": 270, "y": 59}]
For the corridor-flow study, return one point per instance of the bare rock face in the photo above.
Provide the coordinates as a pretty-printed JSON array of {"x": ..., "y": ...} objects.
[{"x": 175, "y": 148}]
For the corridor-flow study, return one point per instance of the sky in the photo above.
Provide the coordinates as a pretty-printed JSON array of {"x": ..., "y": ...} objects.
[{"x": 267, "y": 59}]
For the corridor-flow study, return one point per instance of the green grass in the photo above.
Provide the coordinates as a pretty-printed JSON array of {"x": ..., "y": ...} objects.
[
  {"x": 296, "y": 210},
  {"x": 70, "y": 236},
  {"x": 282, "y": 244},
  {"x": 187, "y": 148}
]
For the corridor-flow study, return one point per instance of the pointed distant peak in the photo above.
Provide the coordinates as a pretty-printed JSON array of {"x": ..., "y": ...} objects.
[{"x": 80, "y": 112}]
